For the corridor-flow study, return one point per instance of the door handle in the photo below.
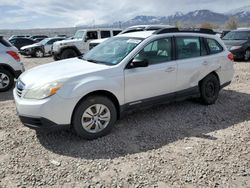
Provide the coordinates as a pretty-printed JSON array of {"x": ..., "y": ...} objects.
[
  {"x": 170, "y": 69},
  {"x": 205, "y": 63}
]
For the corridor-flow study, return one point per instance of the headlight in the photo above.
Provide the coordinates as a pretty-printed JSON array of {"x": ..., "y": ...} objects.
[
  {"x": 44, "y": 91},
  {"x": 235, "y": 47}
]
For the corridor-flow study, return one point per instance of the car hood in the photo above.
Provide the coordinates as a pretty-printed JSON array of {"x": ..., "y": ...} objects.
[
  {"x": 230, "y": 43},
  {"x": 67, "y": 41},
  {"x": 30, "y": 46},
  {"x": 65, "y": 69}
]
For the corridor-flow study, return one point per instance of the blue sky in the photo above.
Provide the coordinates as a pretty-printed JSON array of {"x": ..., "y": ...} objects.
[{"x": 20, "y": 14}]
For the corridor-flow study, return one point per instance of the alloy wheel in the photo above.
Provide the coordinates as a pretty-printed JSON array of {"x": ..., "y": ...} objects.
[
  {"x": 4, "y": 80},
  {"x": 96, "y": 118}
]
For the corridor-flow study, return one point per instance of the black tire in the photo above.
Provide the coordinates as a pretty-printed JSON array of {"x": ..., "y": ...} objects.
[
  {"x": 247, "y": 55},
  {"x": 209, "y": 89},
  {"x": 86, "y": 104},
  {"x": 9, "y": 76},
  {"x": 39, "y": 53},
  {"x": 55, "y": 58},
  {"x": 68, "y": 53}
]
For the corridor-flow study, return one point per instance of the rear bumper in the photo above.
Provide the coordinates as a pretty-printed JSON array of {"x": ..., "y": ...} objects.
[{"x": 41, "y": 123}]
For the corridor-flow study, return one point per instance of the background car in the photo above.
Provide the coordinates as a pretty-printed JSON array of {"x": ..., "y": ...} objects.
[
  {"x": 131, "y": 29},
  {"x": 10, "y": 65},
  {"x": 19, "y": 36},
  {"x": 41, "y": 48},
  {"x": 238, "y": 42},
  {"x": 20, "y": 42},
  {"x": 80, "y": 43},
  {"x": 39, "y": 37}
]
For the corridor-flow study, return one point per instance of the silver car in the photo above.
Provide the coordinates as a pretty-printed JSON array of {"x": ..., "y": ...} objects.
[{"x": 10, "y": 65}]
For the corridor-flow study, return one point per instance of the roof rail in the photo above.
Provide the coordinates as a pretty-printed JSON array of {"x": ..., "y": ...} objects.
[{"x": 184, "y": 30}]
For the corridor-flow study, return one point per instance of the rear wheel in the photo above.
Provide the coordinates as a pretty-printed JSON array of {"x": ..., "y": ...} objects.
[
  {"x": 68, "y": 53},
  {"x": 6, "y": 80},
  {"x": 209, "y": 89},
  {"x": 94, "y": 117},
  {"x": 247, "y": 55}
]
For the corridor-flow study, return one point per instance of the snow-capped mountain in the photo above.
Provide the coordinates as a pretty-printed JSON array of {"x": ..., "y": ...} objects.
[
  {"x": 193, "y": 17},
  {"x": 199, "y": 16},
  {"x": 243, "y": 13}
]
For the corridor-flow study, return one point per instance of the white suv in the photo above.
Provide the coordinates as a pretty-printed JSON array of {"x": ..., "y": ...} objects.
[
  {"x": 80, "y": 43},
  {"x": 10, "y": 65},
  {"x": 91, "y": 92}
]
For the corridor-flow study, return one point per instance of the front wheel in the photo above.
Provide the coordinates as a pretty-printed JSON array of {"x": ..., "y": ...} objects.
[
  {"x": 209, "y": 89},
  {"x": 39, "y": 53},
  {"x": 94, "y": 117},
  {"x": 68, "y": 53}
]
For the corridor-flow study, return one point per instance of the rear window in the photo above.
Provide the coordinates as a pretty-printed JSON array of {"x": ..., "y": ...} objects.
[
  {"x": 4, "y": 42},
  {"x": 214, "y": 46}
]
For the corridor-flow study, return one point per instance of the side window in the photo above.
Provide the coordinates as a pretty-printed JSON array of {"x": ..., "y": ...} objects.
[
  {"x": 158, "y": 51},
  {"x": 116, "y": 32},
  {"x": 51, "y": 41},
  {"x": 105, "y": 34},
  {"x": 188, "y": 47},
  {"x": 92, "y": 35},
  {"x": 214, "y": 46}
]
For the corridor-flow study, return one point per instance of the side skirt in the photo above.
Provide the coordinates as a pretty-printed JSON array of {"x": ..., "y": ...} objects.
[{"x": 163, "y": 99}]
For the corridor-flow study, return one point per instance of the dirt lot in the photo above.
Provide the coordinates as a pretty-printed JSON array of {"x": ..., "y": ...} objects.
[{"x": 177, "y": 145}]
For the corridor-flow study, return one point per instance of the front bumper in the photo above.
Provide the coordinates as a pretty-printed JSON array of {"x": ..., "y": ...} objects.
[
  {"x": 27, "y": 52},
  {"x": 41, "y": 123},
  {"x": 54, "y": 111}
]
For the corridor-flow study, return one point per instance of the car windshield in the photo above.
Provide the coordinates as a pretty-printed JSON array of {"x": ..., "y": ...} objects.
[
  {"x": 237, "y": 35},
  {"x": 79, "y": 35},
  {"x": 112, "y": 51},
  {"x": 44, "y": 41}
]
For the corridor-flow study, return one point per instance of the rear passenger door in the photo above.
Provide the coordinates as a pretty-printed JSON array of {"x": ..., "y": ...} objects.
[{"x": 192, "y": 63}]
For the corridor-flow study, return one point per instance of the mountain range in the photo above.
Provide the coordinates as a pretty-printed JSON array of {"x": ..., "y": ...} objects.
[{"x": 193, "y": 17}]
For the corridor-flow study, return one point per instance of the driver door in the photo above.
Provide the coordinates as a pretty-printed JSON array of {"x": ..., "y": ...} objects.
[{"x": 157, "y": 79}]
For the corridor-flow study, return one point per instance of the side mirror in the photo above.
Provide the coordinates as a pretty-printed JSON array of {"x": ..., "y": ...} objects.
[{"x": 134, "y": 63}]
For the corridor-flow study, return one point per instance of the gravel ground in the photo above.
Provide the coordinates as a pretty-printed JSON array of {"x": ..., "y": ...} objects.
[{"x": 183, "y": 144}]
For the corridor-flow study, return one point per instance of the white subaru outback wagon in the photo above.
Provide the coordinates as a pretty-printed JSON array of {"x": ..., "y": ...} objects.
[{"x": 89, "y": 93}]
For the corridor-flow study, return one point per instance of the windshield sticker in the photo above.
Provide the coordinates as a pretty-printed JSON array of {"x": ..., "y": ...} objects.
[{"x": 135, "y": 41}]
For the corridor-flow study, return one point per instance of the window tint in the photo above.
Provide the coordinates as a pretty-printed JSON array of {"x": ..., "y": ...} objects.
[
  {"x": 105, "y": 34},
  {"x": 116, "y": 32},
  {"x": 92, "y": 35},
  {"x": 214, "y": 46},
  {"x": 156, "y": 52},
  {"x": 188, "y": 47}
]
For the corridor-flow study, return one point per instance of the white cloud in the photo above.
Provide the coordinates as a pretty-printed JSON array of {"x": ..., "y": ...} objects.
[{"x": 55, "y": 12}]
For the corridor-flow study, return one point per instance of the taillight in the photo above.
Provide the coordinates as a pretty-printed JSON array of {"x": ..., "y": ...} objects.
[
  {"x": 14, "y": 55},
  {"x": 230, "y": 56}
]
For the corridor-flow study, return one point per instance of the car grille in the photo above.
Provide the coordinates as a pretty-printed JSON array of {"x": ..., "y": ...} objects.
[{"x": 19, "y": 88}]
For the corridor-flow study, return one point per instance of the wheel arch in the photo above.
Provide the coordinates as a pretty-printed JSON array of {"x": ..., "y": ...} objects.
[
  {"x": 72, "y": 48},
  {"x": 104, "y": 93},
  {"x": 214, "y": 73},
  {"x": 8, "y": 68}
]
